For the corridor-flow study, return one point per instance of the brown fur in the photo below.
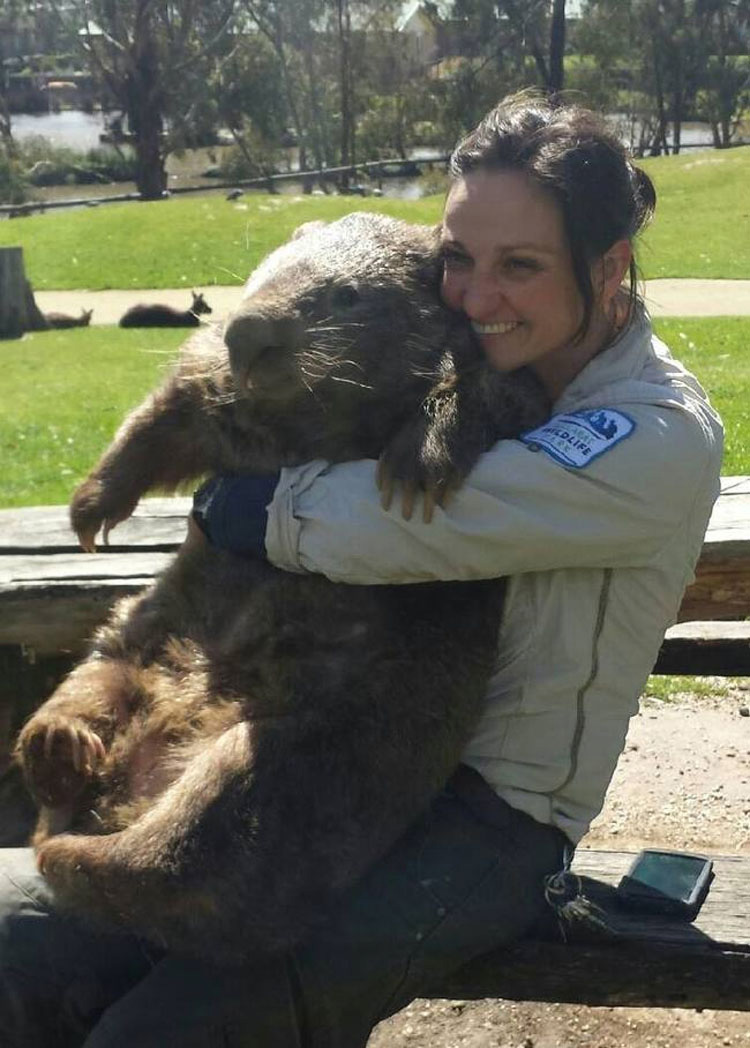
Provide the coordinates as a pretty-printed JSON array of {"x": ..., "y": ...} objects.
[{"x": 265, "y": 736}]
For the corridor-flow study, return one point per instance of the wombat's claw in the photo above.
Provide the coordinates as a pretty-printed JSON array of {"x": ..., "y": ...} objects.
[
  {"x": 428, "y": 505},
  {"x": 431, "y": 497},
  {"x": 86, "y": 748},
  {"x": 384, "y": 481},
  {"x": 87, "y": 541},
  {"x": 407, "y": 501}
]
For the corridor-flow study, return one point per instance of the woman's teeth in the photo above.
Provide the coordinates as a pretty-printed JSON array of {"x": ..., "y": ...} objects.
[{"x": 494, "y": 329}]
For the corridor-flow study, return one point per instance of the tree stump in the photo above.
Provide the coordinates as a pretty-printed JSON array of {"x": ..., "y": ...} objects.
[{"x": 18, "y": 310}]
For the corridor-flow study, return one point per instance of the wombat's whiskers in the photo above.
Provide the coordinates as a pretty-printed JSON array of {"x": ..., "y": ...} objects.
[
  {"x": 419, "y": 345},
  {"x": 321, "y": 361}
]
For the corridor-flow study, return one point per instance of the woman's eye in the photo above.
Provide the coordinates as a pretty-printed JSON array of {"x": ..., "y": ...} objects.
[{"x": 522, "y": 265}]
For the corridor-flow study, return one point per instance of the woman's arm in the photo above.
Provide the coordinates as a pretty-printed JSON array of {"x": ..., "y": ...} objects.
[{"x": 519, "y": 510}]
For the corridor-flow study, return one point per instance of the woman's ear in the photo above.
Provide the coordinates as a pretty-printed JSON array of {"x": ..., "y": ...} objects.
[{"x": 614, "y": 264}]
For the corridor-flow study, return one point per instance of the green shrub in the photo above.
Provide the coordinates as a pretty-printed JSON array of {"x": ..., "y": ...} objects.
[
  {"x": 14, "y": 185},
  {"x": 51, "y": 165}
]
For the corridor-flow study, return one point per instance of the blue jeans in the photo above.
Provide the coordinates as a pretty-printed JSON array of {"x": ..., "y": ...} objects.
[{"x": 466, "y": 878}]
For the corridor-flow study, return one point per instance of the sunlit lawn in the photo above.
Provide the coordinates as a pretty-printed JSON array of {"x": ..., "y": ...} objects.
[
  {"x": 64, "y": 393},
  {"x": 184, "y": 241},
  {"x": 717, "y": 350},
  {"x": 702, "y": 225}
]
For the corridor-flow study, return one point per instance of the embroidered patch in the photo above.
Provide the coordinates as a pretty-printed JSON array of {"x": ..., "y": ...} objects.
[{"x": 581, "y": 436}]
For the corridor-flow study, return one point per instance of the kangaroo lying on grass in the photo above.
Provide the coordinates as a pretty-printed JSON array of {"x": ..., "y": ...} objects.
[
  {"x": 64, "y": 320},
  {"x": 158, "y": 315}
]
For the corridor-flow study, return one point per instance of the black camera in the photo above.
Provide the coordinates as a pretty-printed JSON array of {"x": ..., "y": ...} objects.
[{"x": 670, "y": 883}]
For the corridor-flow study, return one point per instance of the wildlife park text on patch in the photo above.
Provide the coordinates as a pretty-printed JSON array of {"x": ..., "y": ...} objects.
[{"x": 578, "y": 438}]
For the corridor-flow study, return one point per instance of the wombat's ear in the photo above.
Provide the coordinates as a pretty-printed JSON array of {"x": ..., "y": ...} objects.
[{"x": 308, "y": 227}]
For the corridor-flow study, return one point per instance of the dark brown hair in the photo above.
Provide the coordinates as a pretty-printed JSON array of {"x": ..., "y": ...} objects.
[{"x": 569, "y": 151}]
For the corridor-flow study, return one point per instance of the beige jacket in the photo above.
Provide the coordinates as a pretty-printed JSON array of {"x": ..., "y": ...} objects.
[{"x": 598, "y": 517}]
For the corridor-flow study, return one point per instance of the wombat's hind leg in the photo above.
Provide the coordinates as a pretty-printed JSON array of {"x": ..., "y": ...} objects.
[
  {"x": 59, "y": 755},
  {"x": 166, "y": 877}
]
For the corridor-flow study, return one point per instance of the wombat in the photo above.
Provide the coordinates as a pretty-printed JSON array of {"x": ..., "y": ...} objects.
[{"x": 243, "y": 742}]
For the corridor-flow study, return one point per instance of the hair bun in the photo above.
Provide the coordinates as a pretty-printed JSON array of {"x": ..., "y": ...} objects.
[{"x": 644, "y": 198}]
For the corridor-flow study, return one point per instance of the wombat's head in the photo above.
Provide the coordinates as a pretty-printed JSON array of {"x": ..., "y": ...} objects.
[{"x": 346, "y": 314}]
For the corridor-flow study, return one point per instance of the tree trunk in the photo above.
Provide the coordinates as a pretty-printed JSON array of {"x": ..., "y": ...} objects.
[
  {"x": 18, "y": 310},
  {"x": 557, "y": 48},
  {"x": 145, "y": 108},
  {"x": 150, "y": 177}
]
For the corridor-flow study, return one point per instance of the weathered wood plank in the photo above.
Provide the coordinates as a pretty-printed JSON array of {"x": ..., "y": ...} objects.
[
  {"x": 724, "y": 917},
  {"x": 715, "y": 649},
  {"x": 157, "y": 524},
  {"x": 52, "y": 603},
  {"x": 52, "y": 595},
  {"x": 653, "y": 962},
  {"x": 627, "y": 975}
]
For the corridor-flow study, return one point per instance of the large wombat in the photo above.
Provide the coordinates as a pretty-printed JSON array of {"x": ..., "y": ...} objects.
[{"x": 242, "y": 742}]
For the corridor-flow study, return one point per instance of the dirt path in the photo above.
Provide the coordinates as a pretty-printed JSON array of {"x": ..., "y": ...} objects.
[{"x": 683, "y": 782}]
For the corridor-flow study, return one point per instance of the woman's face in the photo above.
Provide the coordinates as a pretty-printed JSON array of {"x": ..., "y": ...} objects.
[{"x": 508, "y": 267}]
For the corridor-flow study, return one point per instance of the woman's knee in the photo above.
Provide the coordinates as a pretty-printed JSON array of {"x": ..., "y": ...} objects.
[{"x": 25, "y": 906}]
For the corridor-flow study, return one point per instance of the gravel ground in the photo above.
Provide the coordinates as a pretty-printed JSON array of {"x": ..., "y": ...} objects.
[{"x": 683, "y": 782}]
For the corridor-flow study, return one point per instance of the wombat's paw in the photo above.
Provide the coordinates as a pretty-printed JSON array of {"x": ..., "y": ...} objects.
[
  {"x": 90, "y": 876},
  {"x": 93, "y": 507},
  {"x": 59, "y": 756},
  {"x": 70, "y": 862},
  {"x": 417, "y": 464}
]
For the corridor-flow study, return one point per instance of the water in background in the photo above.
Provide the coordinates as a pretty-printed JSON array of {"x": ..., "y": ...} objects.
[
  {"x": 69, "y": 127},
  {"x": 81, "y": 131}
]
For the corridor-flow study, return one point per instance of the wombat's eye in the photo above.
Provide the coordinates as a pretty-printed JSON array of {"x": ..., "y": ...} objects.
[{"x": 344, "y": 296}]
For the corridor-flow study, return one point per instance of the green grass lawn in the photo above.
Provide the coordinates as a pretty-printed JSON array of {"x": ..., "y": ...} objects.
[
  {"x": 717, "y": 351},
  {"x": 183, "y": 241},
  {"x": 702, "y": 224},
  {"x": 702, "y": 229},
  {"x": 65, "y": 393}
]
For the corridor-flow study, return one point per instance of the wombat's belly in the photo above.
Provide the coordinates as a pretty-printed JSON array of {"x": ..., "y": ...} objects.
[
  {"x": 296, "y": 656},
  {"x": 281, "y": 642}
]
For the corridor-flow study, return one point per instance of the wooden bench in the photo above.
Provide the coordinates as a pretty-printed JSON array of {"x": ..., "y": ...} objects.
[
  {"x": 52, "y": 595},
  {"x": 654, "y": 962}
]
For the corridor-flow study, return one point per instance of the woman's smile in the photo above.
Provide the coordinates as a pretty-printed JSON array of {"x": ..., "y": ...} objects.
[{"x": 494, "y": 329}]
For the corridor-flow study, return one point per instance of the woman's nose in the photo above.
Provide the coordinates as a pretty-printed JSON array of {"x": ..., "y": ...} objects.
[{"x": 481, "y": 297}]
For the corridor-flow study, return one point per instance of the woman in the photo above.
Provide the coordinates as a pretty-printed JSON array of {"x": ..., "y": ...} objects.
[{"x": 597, "y": 516}]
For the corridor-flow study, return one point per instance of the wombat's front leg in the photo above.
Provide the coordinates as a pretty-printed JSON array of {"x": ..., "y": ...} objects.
[
  {"x": 435, "y": 451},
  {"x": 174, "y": 436}
]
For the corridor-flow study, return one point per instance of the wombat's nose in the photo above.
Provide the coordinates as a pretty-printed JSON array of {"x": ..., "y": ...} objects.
[{"x": 249, "y": 335}]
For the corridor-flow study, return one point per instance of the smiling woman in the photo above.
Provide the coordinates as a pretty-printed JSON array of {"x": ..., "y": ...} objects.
[{"x": 597, "y": 517}]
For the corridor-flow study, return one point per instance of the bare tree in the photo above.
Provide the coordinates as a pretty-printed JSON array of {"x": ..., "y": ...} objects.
[
  {"x": 150, "y": 56},
  {"x": 540, "y": 27}
]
